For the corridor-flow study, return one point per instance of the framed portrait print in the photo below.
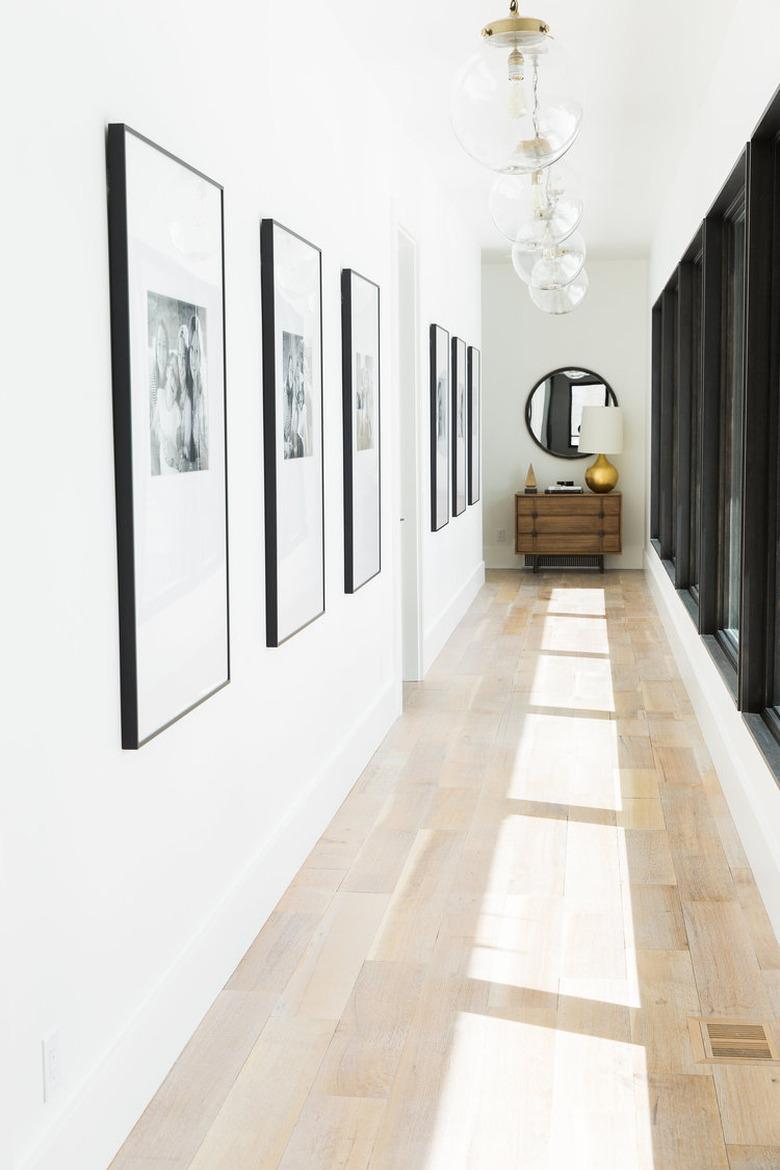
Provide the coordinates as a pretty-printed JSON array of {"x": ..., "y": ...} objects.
[
  {"x": 440, "y": 428},
  {"x": 291, "y": 270},
  {"x": 168, "y": 373},
  {"x": 459, "y": 426},
  {"x": 362, "y": 452},
  {"x": 474, "y": 422}
]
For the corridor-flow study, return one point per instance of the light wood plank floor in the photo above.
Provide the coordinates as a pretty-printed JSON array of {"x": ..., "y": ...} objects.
[{"x": 489, "y": 958}]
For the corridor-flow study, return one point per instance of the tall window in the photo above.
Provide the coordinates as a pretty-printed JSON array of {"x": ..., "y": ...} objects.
[
  {"x": 732, "y": 414},
  {"x": 655, "y": 438},
  {"x": 668, "y": 461},
  {"x": 694, "y": 514}
]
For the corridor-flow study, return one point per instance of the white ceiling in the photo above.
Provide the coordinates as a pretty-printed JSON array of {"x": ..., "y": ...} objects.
[{"x": 640, "y": 67}]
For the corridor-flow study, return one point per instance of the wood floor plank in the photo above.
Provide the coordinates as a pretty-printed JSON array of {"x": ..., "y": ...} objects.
[
  {"x": 334, "y": 1133},
  {"x": 727, "y": 973},
  {"x": 685, "y": 1131},
  {"x": 363, "y": 1056},
  {"x": 257, "y": 1119},
  {"x": 754, "y": 1157},
  {"x": 410, "y": 927},
  {"x": 660, "y": 1025},
  {"x": 322, "y": 983},
  {"x": 649, "y": 858},
  {"x": 657, "y": 918},
  {"x": 749, "y": 1099}
]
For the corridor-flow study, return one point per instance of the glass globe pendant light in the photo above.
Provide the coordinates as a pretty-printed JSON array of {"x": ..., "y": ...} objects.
[
  {"x": 536, "y": 210},
  {"x": 560, "y": 265},
  {"x": 561, "y": 300},
  {"x": 507, "y": 110}
]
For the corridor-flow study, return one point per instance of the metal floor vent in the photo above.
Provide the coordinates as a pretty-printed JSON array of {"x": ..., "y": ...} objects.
[
  {"x": 572, "y": 561},
  {"x": 731, "y": 1042}
]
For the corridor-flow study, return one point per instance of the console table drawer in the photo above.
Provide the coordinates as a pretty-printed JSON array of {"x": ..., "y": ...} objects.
[
  {"x": 551, "y": 544},
  {"x": 542, "y": 522},
  {"x": 573, "y": 505}
]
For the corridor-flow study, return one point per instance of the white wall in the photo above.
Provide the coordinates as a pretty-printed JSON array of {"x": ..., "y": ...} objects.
[
  {"x": 138, "y": 879},
  {"x": 608, "y": 333},
  {"x": 746, "y": 63},
  {"x": 734, "y": 84}
]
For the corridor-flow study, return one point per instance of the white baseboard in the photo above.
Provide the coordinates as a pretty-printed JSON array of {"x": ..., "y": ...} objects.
[
  {"x": 750, "y": 788},
  {"x": 434, "y": 639},
  {"x": 103, "y": 1108}
]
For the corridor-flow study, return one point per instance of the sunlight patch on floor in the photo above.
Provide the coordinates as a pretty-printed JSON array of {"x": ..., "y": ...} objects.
[
  {"x": 565, "y": 600},
  {"x": 579, "y": 683}
]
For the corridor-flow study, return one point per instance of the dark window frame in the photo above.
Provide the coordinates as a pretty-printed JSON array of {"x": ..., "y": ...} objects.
[
  {"x": 752, "y": 676},
  {"x": 667, "y": 425},
  {"x": 655, "y": 425}
]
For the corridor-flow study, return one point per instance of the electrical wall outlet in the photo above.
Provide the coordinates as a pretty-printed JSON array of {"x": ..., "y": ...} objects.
[
  {"x": 52, "y": 1064},
  {"x": 501, "y": 536}
]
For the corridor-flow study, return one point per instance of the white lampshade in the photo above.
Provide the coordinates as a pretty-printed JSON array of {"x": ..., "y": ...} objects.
[{"x": 602, "y": 430}]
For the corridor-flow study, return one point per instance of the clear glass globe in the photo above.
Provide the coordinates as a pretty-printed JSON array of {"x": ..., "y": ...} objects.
[
  {"x": 562, "y": 300},
  {"x": 560, "y": 265},
  {"x": 535, "y": 210},
  {"x": 509, "y": 110}
]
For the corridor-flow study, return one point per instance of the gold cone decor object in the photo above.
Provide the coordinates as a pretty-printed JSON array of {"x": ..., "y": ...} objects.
[
  {"x": 602, "y": 476},
  {"x": 530, "y": 481}
]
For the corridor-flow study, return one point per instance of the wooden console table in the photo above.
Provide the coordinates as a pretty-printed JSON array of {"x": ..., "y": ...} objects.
[{"x": 567, "y": 525}]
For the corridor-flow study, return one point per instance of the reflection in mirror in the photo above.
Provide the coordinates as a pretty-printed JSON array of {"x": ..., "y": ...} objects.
[{"x": 553, "y": 412}]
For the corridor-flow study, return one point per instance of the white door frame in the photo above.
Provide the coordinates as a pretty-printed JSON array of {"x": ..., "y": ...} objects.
[{"x": 410, "y": 501}]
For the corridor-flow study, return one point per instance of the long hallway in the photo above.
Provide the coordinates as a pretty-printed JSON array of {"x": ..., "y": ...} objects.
[{"x": 495, "y": 956}]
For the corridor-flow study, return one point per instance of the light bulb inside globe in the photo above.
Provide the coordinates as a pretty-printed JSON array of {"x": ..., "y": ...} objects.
[
  {"x": 535, "y": 211},
  {"x": 516, "y": 99},
  {"x": 560, "y": 265},
  {"x": 562, "y": 300}
]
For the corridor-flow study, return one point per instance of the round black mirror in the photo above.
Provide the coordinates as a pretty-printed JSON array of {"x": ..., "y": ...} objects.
[{"x": 553, "y": 412}]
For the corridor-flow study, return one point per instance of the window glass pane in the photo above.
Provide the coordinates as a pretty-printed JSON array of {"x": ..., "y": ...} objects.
[
  {"x": 731, "y": 499},
  {"x": 695, "y": 508},
  {"x": 672, "y": 392}
]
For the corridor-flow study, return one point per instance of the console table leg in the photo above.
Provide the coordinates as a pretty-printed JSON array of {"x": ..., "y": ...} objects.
[{"x": 601, "y": 563}]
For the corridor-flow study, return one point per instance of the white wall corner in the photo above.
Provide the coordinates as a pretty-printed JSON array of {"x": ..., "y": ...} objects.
[
  {"x": 750, "y": 788},
  {"x": 435, "y": 638},
  {"x": 103, "y": 1108}
]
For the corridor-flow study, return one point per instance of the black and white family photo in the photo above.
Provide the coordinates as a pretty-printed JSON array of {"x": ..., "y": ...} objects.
[
  {"x": 178, "y": 414},
  {"x": 296, "y": 399},
  {"x": 364, "y": 406}
]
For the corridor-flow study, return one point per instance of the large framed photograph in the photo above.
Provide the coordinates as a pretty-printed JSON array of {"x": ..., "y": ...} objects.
[
  {"x": 168, "y": 371},
  {"x": 362, "y": 453},
  {"x": 459, "y": 426},
  {"x": 440, "y": 427},
  {"x": 292, "y": 421},
  {"x": 474, "y": 422}
]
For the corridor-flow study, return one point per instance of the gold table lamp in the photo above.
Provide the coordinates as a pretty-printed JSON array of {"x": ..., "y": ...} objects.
[{"x": 602, "y": 431}]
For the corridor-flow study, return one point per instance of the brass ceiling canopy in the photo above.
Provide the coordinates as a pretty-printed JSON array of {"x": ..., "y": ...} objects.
[{"x": 515, "y": 31}]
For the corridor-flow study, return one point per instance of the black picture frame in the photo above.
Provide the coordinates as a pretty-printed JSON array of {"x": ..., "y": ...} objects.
[
  {"x": 474, "y": 445},
  {"x": 459, "y": 426},
  {"x": 135, "y": 673},
  {"x": 439, "y": 365},
  {"x": 356, "y": 484},
  {"x": 279, "y": 631}
]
